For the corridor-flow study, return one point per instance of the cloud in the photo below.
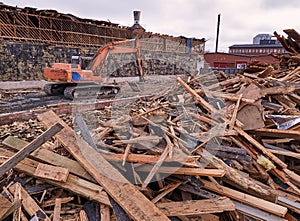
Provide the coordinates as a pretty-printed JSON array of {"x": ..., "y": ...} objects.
[{"x": 279, "y": 4}]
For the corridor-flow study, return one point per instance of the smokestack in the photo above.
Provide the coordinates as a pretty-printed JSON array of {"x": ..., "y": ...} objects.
[
  {"x": 136, "y": 15},
  {"x": 136, "y": 20}
]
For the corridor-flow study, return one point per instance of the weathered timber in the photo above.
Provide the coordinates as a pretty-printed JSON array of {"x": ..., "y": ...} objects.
[
  {"x": 197, "y": 207},
  {"x": 29, "y": 204},
  {"x": 125, "y": 194},
  {"x": 157, "y": 166},
  {"x": 167, "y": 189},
  {"x": 256, "y": 213},
  {"x": 50, "y": 157},
  {"x": 73, "y": 184},
  {"x": 7, "y": 208},
  {"x": 239, "y": 180},
  {"x": 261, "y": 147},
  {"x": 24, "y": 152},
  {"x": 247, "y": 199},
  {"x": 57, "y": 209},
  {"x": 294, "y": 134},
  {"x": 5, "y": 205},
  {"x": 17, "y": 196},
  {"x": 185, "y": 171},
  {"x": 51, "y": 172},
  {"x": 104, "y": 213},
  {"x": 196, "y": 96}
]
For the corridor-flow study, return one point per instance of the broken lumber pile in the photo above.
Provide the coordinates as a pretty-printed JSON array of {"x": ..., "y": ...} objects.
[{"x": 211, "y": 148}]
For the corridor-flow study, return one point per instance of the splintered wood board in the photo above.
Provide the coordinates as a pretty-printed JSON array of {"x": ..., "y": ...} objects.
[
  {"x": 197, "y": 207},
  {"x": 29, "y": 204},
  {"x": 51, "y": 172},
  {"x": 5, "y": 205},
  {"x": 74, "y": 183},
  {"x": 49, "y": 157},
  {"x": 136, "y": 205},
  {"x": 247, "y": 199}
]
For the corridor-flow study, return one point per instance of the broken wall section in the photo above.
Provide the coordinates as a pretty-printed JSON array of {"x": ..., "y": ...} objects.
[{"x": 26, "y": 61}]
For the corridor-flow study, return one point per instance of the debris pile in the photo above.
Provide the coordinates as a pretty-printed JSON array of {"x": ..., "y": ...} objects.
[{"x": 209, "y": 148}]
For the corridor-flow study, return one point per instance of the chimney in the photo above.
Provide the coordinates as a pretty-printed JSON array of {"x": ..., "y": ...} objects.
[
  {"x": 136, "y": 15},
  {"x": 136, "y": 25}
]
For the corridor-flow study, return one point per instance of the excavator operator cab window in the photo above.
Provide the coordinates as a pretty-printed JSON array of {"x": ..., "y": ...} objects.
[{"x": 75, "y": 61}]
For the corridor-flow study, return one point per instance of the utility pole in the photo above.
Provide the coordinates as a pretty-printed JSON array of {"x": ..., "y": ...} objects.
[{"x": 218, "y": 29}]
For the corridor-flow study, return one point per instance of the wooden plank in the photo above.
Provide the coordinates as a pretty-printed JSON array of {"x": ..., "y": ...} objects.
[
  {"x": 29, "y": 204},
  {"x": 261, "y": 147},
  {"x": 294, "y": 134},
  {"x": 156, "y": 166},
  {"x": 235, "y": 111},
  {"x": 209, "y": 217},
  {"x": 196, "y": 96},
  {"x": 142, "y": 158},
  {"x": 57, "y": 209},
  {"x": 104, "y": 212},
  {"x": 17, "y": 196},
  {"x": 255, "y": 213},
  {"x": 167, "y": 189},
  {"x": 285, "y": 153},
  {"x": 83, "y": 216},
  {"x": 50, "y": 157},
  {"x": 16, "y": 205},
  {"x": 277, "y": 90},
  {"x": 59, "y": 174},
  {"x": 247, "y": 199},
  {"x": 74, "y": 184},
  {"x": 186, "y": 171},
  {"x": 5, "y": 205},
  {"x": 293, "y": 206},
  {"x": 241, "y": 181},
  {"x": 124, "y": 193},
  {"x": 197, "y": 207},
  {"x": 51, "y": 202},
  {"x": 24, "y": 152}
]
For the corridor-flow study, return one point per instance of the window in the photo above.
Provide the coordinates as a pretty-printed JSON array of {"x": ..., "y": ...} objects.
[
  {"x": 275, "y": 50},
  {"x": 260, "y": 50},
  {"x": 256, "y": 50}
]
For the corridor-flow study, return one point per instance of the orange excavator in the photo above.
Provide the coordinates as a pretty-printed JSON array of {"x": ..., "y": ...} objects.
[{"x": 71, "y": 81}]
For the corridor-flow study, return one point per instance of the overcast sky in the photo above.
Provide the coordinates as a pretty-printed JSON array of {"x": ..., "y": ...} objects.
[{"x": 240, "y": 20}]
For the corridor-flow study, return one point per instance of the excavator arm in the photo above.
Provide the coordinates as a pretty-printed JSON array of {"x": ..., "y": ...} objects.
[{"x": 98, "y": 63}]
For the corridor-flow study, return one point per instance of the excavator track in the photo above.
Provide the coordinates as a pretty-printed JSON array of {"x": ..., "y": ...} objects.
[
  {"x": 69, "y": 92},
  {"x": 55, "y": 88},
  {"x": 93, "y": 91}
]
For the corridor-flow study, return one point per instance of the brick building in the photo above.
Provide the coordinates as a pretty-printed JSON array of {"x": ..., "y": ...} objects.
[
  {"x": 242, "y": 54},
  {"x": 262, "y": 44}
]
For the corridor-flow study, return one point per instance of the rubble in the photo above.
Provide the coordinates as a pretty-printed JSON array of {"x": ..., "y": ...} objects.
[{"x": 209, "y": 148}]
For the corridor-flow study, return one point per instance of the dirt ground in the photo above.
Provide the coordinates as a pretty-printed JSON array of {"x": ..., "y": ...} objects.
[{"x": 6, "y": 85}]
